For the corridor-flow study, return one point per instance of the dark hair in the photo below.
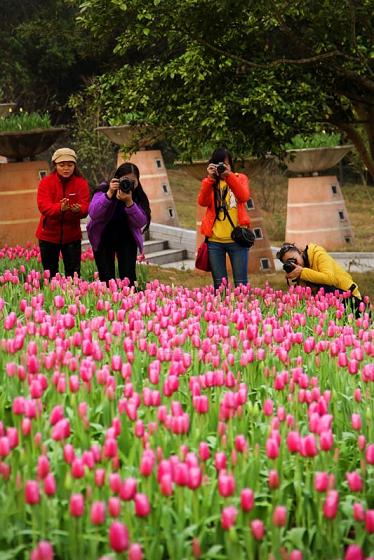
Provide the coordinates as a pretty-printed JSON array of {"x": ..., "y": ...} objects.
[
  {"x": 139, "y": 196},
  {"x": 285, "y": 248},
  {"x": 220, "y": 154}
]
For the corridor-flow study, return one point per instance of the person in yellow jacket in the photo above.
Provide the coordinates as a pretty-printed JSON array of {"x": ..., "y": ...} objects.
[{"x": 314, "y": 267}]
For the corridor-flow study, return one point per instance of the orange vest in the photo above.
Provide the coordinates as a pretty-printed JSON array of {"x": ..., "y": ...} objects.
[{"x": 238, "y": 183}]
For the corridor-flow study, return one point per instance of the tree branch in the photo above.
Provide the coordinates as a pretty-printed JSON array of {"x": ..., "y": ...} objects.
[{"x": 278, "y": 62}]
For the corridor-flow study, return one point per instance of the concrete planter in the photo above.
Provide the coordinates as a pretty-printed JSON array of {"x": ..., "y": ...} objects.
[
  {"x": 127, "y": 135},
  {"x": 313, "y": 160},
  {"x": 19, "y": 145}
]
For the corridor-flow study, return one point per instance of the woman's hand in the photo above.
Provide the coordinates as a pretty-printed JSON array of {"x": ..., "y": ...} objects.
[
  {"x": 65, "y": 205},
  {"x": 125, "y": 197},
  {"x": 113, "y": 188},
  {"x": 75, "y": 208},
  {"x": 227, "y": 170},
  {"x": 212, "y": 171},
  {"x": 295, "y": 273}
]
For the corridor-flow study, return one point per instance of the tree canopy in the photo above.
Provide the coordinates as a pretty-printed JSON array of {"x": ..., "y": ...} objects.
[{"x": 246, "y": 73}]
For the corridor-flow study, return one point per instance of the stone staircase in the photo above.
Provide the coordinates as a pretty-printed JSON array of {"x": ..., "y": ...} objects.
[{"x": 157, "y": 251}]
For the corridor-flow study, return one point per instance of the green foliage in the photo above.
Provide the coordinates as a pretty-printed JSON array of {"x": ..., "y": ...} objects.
[
  {"x": 316, "y": 140},
  {"x": 23, "y": 120},
  {"x": 249, "y": 75},
  {"x": 97, "y": 157}
]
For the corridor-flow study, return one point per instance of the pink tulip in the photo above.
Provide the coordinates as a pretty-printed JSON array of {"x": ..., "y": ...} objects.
[
  {"x": 258, "y": 529},
  {"x": 166, "y": 485},
  {"x": 127, "y": 490},
  {"x": 4, "y": 446},
  {"x": 226, "y": 484},
  {"x": 330, "y": 507},
  {"x": 272, "y": 448},
  {"x": 296, "y": 555},
  {"x": 356, "y": 422},
  {"x": 293, "y": 442},
  {"x": 280, "y": 516},
  {"x": 97, "y": 514},
  {"x": 142, "y": 505},
  {"x": 32, "y": 493},
  {"x": 114, "y": 506},
  {"x": 44, "y": 551},
  {"x": 358, "y": 512},
  {"x": 118, "y": 536},
  {"x": 321, "y": 481},
  {"x": 369, "y": 521},
  {"x": 354, "y": 481},
  {"x": 76, "y": 505},
  {"x": 228, "y": 517},
  {"x": 273, "y": 479},
  {"x": 135, "y": 552},
  {"x": 369, "y": 454},
  {"x": 204, "y": 452},
  {"x": 268, "y": 407},
  {"x": 247, "y": 499},
  {"x": 354, "y": 552},
  {"x": 43, "y": 466},
  {"x": 50, "y": 485}
]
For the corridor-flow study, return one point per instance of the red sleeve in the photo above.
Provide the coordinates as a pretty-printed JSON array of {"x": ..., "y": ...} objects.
[
  {"x": 46, "y": 204},
  {"x": 239, "y": 184},
  {"x": 205, "y": 195}
]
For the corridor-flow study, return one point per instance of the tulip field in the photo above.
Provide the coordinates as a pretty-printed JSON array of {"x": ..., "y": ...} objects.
[{"x": 174, "y": 423}]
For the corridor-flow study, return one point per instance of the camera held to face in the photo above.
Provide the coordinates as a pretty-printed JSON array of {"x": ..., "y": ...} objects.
[
  {"x": 220, "y": 167},
  {"x": 126, "y": 185},
  {"x": 289, "y": 265}
]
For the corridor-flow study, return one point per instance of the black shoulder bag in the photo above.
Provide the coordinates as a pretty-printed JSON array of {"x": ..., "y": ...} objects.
[{"x": 241, "y": 235}]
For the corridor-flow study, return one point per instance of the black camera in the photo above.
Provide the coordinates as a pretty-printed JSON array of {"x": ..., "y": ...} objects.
[
  {"x": 126, "y": 185},
  {"x": 289, "y": 265},
  {"x": 220, "y": 167}
]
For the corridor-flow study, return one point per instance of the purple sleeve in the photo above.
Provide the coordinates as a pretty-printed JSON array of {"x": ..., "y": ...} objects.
[
  {"x": 100, "y": 207},
  {"x": 136, "y": 215}
]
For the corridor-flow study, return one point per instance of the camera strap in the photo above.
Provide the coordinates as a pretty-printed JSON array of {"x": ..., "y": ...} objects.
[{"x": 220, "y": 201}]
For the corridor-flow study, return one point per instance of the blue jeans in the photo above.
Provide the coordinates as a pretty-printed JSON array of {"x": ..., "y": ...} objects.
[{"x": 239, "y": 262}]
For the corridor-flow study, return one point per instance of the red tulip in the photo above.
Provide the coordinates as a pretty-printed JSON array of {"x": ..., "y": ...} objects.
[
  {"x": 43, "y": 466},
  {"x": 273, "y": 479},
  {"x": 118, "y": 536}
]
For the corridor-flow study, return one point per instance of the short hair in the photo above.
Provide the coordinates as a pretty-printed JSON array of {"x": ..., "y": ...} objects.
[{"x": 285, "y": 248}]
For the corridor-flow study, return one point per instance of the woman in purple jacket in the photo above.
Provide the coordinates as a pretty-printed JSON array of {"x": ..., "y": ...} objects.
[{"x": 118, "y": 214}]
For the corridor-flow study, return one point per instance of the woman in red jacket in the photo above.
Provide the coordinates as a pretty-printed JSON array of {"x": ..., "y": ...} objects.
[
  {"x": 63, "y": 198},
  {"x": 224, "y": 193}
]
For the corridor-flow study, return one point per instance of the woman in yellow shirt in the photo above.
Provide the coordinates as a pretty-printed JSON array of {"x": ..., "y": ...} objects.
[{"x": 314, "y": 267}]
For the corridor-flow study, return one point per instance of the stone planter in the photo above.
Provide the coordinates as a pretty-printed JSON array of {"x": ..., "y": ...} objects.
[
  {"x": 313, "y": 160},
  {"x": 127, "y": 135},
  {"x": 18, "y": 145},
  {"x": 5, "y": 108}
]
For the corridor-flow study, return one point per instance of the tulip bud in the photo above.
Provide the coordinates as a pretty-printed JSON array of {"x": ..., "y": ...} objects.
[
  {"x": 135, "y": 552},
  {"x": 330, "y": 507},
  {"x": 97, "y": 514},
  {"x": 280, "y": 516},
  {"x": 258, "y": 529},
  {"x": 142, "y": 505},
  {"x": 118, "y": 536},
  {"x": 32, "y": 494},
  {"x": 247, "y": 499},
  {"x": 228, "y": 517}
]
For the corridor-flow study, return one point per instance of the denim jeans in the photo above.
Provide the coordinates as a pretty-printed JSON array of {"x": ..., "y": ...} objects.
[{"x": 239, "y": 262}]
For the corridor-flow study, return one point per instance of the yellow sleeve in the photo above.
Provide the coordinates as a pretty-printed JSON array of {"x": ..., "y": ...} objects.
[{"x": 322, "y": 269}]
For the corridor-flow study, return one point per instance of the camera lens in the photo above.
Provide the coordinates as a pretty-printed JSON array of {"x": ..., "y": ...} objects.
[
  {"x": 126, "y": 185},
  {"x": 220, "y": 167}
]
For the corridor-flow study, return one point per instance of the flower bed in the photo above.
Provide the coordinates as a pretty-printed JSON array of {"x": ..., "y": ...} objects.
[{"x": 175, "y": 423}]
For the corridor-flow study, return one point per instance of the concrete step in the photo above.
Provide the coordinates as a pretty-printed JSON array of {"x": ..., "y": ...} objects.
[
  {"x": 154, "y": 246},
  {"x": 167, "y": 256},
  {"x": 186, "y": 264}
]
